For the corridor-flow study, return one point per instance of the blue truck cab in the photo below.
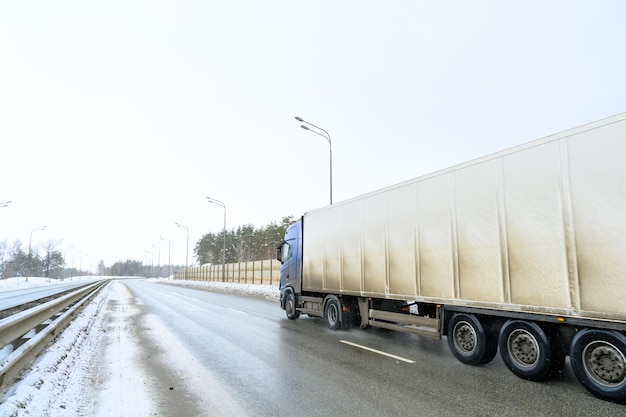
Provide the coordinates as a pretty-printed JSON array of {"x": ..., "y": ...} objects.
[{"x": 289, "y": 253}]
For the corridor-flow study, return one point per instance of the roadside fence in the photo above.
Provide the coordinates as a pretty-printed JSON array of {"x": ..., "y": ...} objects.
[{"x": 263, "y": 272}]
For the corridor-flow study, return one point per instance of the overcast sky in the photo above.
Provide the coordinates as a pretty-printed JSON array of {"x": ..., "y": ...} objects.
[{"x": 117, "y": 118}]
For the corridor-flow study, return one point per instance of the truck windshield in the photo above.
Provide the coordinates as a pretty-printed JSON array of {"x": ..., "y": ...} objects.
[{"x": 285, "y": 252}]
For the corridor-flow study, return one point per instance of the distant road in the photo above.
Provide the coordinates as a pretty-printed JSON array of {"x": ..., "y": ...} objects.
[
  {"x": 203, "y": 353},
  {"x": 12, "y": 298}
]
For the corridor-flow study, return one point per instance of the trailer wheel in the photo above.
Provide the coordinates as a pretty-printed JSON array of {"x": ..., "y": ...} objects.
[
  {"x": 332, "y": 313},
  {"x": 290, "y": 306},
  {"x": 470, "y": 342},
  {"x": 598, "y": 359},
  {"x": 528, "y": 352}
]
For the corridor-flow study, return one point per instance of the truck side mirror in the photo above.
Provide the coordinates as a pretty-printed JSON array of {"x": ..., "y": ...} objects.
[{"x": 279, "y": 251}]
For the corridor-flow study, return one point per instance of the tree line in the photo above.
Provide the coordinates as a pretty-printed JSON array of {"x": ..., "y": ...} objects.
[
  {"x": 17, "y": 262},
  {"x": 243, "y": 244}
]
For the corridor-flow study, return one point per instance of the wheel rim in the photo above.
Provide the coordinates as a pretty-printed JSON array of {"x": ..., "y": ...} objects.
[
  {"x": 523, "y": 348},
  {"x": 290, "y": 304},
  {"x": 605, "y": 363},
  {"x": 465, "y": 337},
  {"x": 332, "y": 314}
]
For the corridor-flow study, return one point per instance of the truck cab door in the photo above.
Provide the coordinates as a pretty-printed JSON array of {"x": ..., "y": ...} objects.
[
  {"x": 288, "y": 267},
  {"x": 289, "y": 254}
]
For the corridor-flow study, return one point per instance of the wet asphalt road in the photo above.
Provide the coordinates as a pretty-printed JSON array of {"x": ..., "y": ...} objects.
[{"x": 271, "y": 366}]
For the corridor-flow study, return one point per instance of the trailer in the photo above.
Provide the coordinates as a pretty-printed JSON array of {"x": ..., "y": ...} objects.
[{"x": 522, "y": 251}]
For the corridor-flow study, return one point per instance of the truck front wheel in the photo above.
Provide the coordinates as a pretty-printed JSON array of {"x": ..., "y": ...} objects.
[
  {"x": 469, "y": 341},
  {"x": 528, "y": 352},
  {"x": 290, "y": 306},
  {"x": 599, "y": 361}
]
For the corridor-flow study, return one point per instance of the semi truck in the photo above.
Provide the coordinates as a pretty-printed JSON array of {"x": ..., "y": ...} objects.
[{"x": 521, "y": 251}]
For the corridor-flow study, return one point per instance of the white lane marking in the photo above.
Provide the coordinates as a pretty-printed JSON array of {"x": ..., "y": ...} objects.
[
  {"x": 237, "y": 311},
  {"x": 185, "y": 296},
  {"x": 400, "y": 358}
]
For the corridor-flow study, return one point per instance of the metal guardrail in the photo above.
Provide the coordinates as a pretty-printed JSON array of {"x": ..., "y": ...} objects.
[{"x": 17, "y": 325}]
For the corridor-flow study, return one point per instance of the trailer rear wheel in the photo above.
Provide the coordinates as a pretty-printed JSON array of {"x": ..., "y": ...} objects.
[
  {"x": 528, "y": 352},
  {"x": 469, "y": 341},
  {"x": 599, "y": 361},
  {"x": 290, "y": 306},
  {"x": 332, "y": 313}
]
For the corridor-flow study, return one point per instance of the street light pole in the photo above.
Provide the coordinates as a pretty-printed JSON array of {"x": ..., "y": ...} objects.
[
  {"x": 72, "y": 270},
  {"x": 31, "y": 236},
  {"x": 327, "y": 137},
  {"x": 81, "y": 262},
  {"x": 169, "y": 253},
  {"x": 65, "y": 258},
  {"x": 150, "y": 254},
  {"x": 158, "y": 259},
  {"x": 219, "y": 203},
  {"x": 182, "y": 226}
]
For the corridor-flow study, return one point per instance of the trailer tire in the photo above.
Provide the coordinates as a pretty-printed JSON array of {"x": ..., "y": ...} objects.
[
  {"x": 598, "y": 359},
  {"x": 290, "y": 306},
  {"x": 528, "y": 352},
  {"x": 332, "y": 313},
  {"x": 469, "y": 341}
]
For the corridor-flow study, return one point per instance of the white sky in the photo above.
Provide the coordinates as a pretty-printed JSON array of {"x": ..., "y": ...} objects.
[{"x": 117, "y": 118}]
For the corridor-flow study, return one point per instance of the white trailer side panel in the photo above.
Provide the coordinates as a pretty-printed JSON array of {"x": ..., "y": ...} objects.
[
  {"x": 480, "y": 246},
  {"x": 598, "y": 188},
  {"x": 540, "y": 228},
  {"x": 534, "y": 224}
]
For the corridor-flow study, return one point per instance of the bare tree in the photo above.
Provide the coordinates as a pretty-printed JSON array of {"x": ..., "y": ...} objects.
[{"x": 52, "y": 261}]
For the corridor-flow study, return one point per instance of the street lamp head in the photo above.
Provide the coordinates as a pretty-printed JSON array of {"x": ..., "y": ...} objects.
[
  {"x": 300, "y": 119},
  {"x": 305, "y": 127},
  {"x": 218, "y": 202}
]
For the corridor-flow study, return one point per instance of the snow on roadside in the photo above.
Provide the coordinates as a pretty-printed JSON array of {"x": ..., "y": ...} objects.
[
  {"x": 119, "y": 390},
  {"x": 266, "y": 292},
  {"x": 54, "y": 383},
  {"x": 10, "y": 284}
]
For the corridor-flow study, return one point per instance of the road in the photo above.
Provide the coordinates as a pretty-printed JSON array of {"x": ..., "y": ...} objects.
[
  {"x": 184, "y": 352},
  {"x": 12, "y": 298}
]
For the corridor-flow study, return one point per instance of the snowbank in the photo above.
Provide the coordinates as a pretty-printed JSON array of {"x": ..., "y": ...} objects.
[
  {"x": 21, "y": 283},
  {"x": 54, "y": 384},
  {"x": 265, "y": 292}
]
